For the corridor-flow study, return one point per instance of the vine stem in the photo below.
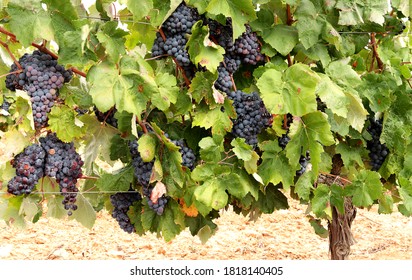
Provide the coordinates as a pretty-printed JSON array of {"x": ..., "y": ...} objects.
[
  {"x": 89, "y": 177},
  {"x": 6, "y": 46},
  {"x": 142, "y": 125},
  {"x": 375, "y": 55}
]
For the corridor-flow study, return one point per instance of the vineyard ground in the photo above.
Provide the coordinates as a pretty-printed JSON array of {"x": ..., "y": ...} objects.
[{"x": 285, "y": 234}]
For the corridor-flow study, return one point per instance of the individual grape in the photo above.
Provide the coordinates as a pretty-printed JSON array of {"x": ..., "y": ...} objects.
[
  {"x": 142, "y": 169},
  {"x": 377, "y": 151},
  {"x": 29, "y": 166},
  {"x": 121, "y": 203},
  {"x": 41, "y": 77},
  {"x": 188, "y": 156},
  {"x": 157, "y": 207},
  {"x": 247, "y": 46},
  {"x": 64, "y": 164},
  {"x": 252, "y": 116},
  {"x": 107, "y": 117}
]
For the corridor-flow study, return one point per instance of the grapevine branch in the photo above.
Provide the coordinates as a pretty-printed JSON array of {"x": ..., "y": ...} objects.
[
  {"x": 41, "y": 47},
  {"x": 375, "y": 55}
]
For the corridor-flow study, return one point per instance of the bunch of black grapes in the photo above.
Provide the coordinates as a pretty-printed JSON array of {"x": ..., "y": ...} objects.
[
  {"x": 63, "y": 163},
  {"x": 29, "y": 165},
  {"x": 121, "y": 203},
  {"x": 175, "y": 30},
  {"x": 377, "y": 151},
  {"x": 252, "y": 116},
  {"x": 41, "y": 77}
]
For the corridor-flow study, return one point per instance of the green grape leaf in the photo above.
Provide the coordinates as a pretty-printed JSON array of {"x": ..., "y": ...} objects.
[
  {"x": 119, "y": 149},
  {"x": 73, "y": 47},
  {"x": 365, "y": 188},
  {"x": 318, "y": 227},
  {"x": 97, "y": 141},
  {"x": 333, "y": 96},
  {"x": 292, "y": 92},
  {"x": 30, "y": 24},
  {"x": 139, "y": 9},
  {"x": 309, "y": 23},
  {"x": 112, "y": 39},
  {"x": 201, "y": 226},
  {"x": 309, "y": 134},
  {"x": 357, "y": 113},
  {"x": 167, "y": 91},
  {"x": 201, "y": 87},
  {"x": 241, "y": 12},
  {"x": 10, "y": 211},
  {"x": 245, "y": 152},
  {"x": 271, "y": 199},
  {"x": 359, "y": 11},
  {"x": 147, "y": 146},
  {"x": 288, "y": 34},
  {"x": 350, "y": 154},
  {"x": 405, "y": 192},
  {"x": 12, "y": 142},
  {"x": 343, "y": 74},
  {"x": 63, "y": 121},
  {"x": 320, "y": 200},
  {"x": 304, "y": 185},
  {"x": 85, "y": 213},
  {"x": 275, "y": 166},
  {"x": 116, "y": 182},
  {"x": 168, "y": 225},
  {"x": 202, "y": 50},
  {"x": 212, "y": 193},
  {"x": 127, "y": 91},
  {"x": 211, "y": 149},
  {"x": 378, "y": 88},
  {"x": 216, "y": 118},
  {"x": 337, "y": 198}
]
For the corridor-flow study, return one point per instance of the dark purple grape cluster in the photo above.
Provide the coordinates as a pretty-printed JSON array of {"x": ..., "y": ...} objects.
[
  {"x": 377, "y": 151},
  {"x": 222, "y": 34},
  {"x": 107, "y": 117},
  {"x": 188, "y": 155},
  {"x": 160, "y": 204},
  {"x": 121, "y": 203},
  {"x": 303, "y": 161},
  {"x": 29, "y": 166},
  {"x": 177, "y": 26},
  {"x": 181, "y": 20},
  {"x": 224, "y": 80},
  {"x": 252, "y": 116},
  {"x": 42, "y": 78},
  {"x": 64, "y": 164},
  {"x": 158, "y": 48},
  {"x": 283, "y": 141},
  {"x": 247, "y": 46},
  {"x": 142, "y": 169}
]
